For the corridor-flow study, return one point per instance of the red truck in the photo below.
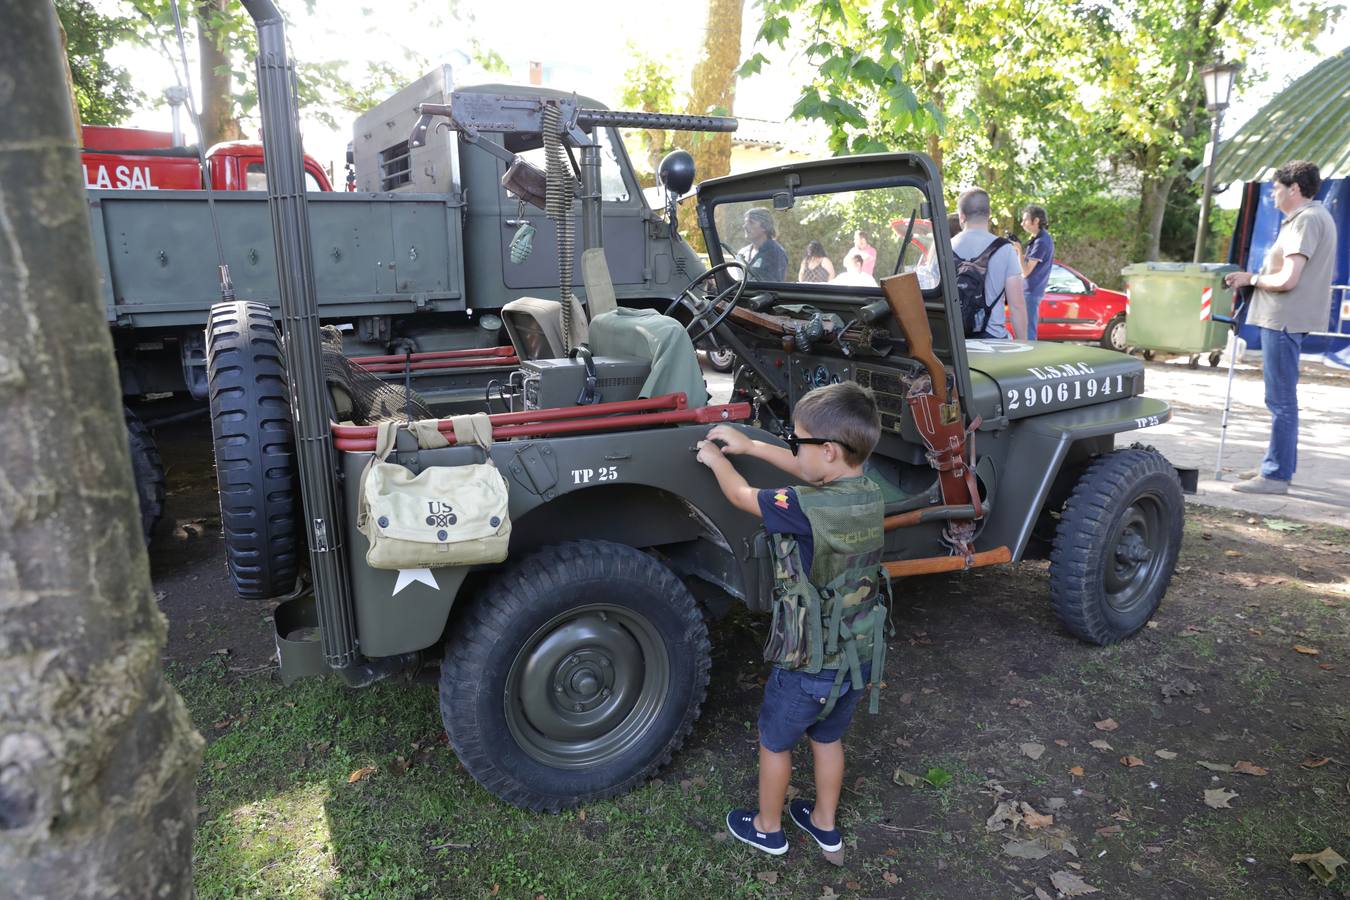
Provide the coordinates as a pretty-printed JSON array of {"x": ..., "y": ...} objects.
[{"x": 143, "y": 160}]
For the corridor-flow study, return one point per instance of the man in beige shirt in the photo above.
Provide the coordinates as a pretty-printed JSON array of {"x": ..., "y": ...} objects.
[{"x": 1291, "y": 297}]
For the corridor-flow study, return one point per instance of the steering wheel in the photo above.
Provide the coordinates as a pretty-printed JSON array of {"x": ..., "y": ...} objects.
[{"x": 702, "y": 308}]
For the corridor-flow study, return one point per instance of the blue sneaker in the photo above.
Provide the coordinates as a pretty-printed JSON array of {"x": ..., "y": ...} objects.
[
  {"x": 800, "y": 811},
  {"x": 741, "y": 824}
]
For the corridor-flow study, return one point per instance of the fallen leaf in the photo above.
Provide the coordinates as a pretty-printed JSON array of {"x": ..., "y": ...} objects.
[
  {"x": 1019, "y": 703},
  {"x": 1315, "y": 762},
  {"x": 906, "y": 697},
  {"x": 1033, "y": 819},
  {"x": 1217, "y": 798},
  {"x": 1054, "y": 803},
  {"x": 928, "y": 690},
  {"x": 1214, "y": 767},
  {"x": 890, "y": 877},
  {"x": 1306, "y": 651},
  {"x": 1108, "y": 830},
  {"x": 853, "y": 885},
  {"x": 496, "y": 889},
  {"x": 827, "y": 893},
  {"x": 1164, "y": 754},
  {"x": 1326, "y": 667},
  {"x": 908, "y": 779},
  {"x": 1070, "y": 885},
  {"x": 1107, "y": 725},
  {"x": 1283, "y": 525},
  {"x": 1122, "y": 815},
  {"x": 1026, "y": 849},
  {"x": 581, "y": 815},
  {"x": 1178, "y": 687},
  {"x": 1060, "y": 742},
  {"x": 1233, "y": 554},
  {"x": 769, "y": 877},
  {"x": 360, "y": 774},
  {"x": 400, "y": 765},
  {"x": 1043, "y": 894},
  {"x": 1101, "y": 745},
  {"x": 1076, "y": 771},
  {"x": 1255, "y": 631},
  {"x": 1244, "y": 767},
  {"x": 1131, "y": 762},
  {"x": 1033, "y": 750},
  {"x": 721, "y": 836},
  {"x": 1004, "y": 814},
  {"x": 1203, "y": 709},
  {"x": 1323, "y": 865},
  {"x": 834, "y": 857}
]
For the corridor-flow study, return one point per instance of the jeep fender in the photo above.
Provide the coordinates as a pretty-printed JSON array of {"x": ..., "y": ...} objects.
[{"x": 1041, "y": 445}]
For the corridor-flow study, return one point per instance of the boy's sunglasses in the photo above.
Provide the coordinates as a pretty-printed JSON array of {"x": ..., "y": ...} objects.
[{"x": 795, "y": 442}]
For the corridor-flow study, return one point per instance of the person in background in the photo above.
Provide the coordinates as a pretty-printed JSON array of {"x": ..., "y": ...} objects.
[
  {"x": 1003, "y": 279},
  {"x": 1290, "y": 297},
  {"x": 816, "y": 267},
  {"x": 954, "y": 223},
  {"x": 863, "y": 245},
  {"x": 854, "y": 274},
  {"x": 764, "y": 258},
  {"x": 1036, "y": 260}
]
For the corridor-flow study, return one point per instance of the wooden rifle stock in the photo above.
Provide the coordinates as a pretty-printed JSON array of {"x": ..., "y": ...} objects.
[
  {"x": 932, "y": 564},
  {"x": 906, "y": 302}
]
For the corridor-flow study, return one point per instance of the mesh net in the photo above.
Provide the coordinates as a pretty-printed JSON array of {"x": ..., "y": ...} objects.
[{"x": 359, "y": 396}]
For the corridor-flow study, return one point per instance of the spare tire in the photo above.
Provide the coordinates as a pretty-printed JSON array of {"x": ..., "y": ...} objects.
[
  {"x": 148, "y": 470},
  {"x": 254, "y": 442}
]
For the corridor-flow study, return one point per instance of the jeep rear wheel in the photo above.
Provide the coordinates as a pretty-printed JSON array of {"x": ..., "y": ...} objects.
[
  {"x": 1116, "y": 545},
  {"x": 254, "y": 442},
  {"x": 575, "y": 675}
]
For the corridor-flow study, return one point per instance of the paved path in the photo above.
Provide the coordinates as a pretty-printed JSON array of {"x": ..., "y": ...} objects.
[{"x": 1321, "y": 488}]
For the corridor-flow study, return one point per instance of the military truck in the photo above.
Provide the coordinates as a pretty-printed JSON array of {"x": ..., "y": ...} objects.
[
  {"x": 418, "y": 258},
  {"x": 574, "y": 664}
]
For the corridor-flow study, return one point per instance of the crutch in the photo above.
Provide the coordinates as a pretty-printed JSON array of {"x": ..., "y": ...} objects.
[{"x": 1234, "y": 321}]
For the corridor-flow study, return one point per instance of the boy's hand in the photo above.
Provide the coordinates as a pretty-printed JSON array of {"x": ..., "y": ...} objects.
[
  {"x": 733, "y": 441},
  {"x": 709, "y": 452}
]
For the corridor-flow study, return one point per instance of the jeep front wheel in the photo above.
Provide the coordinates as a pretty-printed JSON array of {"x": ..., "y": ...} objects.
[
  {"x": 1116, "y": 545},
  {"x": 575, "y": 675}
]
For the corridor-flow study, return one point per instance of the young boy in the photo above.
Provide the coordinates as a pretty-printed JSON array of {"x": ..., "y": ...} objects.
[{"x": 826, "y": 638}]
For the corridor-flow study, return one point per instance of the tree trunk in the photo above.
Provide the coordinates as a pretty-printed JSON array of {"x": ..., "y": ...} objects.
[
  {"x": 218, "y": 120},
  {"x": 97, "y": 755},
  {"x": 1153, "y": 194},
  {"x": 713, "y": 84}
]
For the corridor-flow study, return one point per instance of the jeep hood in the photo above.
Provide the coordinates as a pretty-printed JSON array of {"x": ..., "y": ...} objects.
[{"x": 1035, "y": 378}]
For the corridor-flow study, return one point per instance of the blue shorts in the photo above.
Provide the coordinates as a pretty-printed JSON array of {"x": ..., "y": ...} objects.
[{"x": 793, "y": 700}]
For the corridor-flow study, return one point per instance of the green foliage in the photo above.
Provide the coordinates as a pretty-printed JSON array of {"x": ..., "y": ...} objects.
[
  {"x": 1030, "y": 99},
  {"x": 1093, "y": 233},
  {"x": 649, "y": 86},
  {"x": 102, "y": 90}
]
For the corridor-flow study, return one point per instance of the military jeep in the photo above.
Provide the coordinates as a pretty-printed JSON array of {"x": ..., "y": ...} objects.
[{"x": 575, "y": 668}]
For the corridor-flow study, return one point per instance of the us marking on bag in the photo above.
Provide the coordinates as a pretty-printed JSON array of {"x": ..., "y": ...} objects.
[{"x": 602, "y": 473}]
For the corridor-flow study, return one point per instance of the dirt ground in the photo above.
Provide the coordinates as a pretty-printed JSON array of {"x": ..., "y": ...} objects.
[{"x": 989, "y": 708}]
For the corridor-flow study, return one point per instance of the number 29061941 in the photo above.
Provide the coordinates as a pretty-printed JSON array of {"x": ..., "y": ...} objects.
[{"x": 1091, "y": 388}]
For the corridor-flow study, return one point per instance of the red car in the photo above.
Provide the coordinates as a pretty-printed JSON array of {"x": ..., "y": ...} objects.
[{"x": 1075, "y": 309}]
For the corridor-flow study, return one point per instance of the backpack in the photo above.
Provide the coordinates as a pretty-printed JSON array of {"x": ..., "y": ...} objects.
[{"x": 970, "y": 274}]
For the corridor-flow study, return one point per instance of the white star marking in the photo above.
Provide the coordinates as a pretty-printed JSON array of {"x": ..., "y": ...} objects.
[{"x": 408, "y": 576}]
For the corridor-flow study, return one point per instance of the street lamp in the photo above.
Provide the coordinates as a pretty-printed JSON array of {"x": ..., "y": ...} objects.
[{"x": 1218, "y": 80}]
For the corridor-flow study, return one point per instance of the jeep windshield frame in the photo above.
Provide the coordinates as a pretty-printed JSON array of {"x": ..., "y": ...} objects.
[{"x": 796, "y": 182}]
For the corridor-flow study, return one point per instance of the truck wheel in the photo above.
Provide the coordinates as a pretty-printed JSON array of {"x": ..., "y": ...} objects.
[
  {"x": 255, "y": 448},
  {"x": 575, "y": 675},
  {"x": 1116, "y": 545},
  {"x": 148, "y": 470},
  {"x": 1113, "y": 336}
]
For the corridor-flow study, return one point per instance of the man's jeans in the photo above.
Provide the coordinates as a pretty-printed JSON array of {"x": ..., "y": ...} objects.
[
  {"x": 1033, "y": 314},
  {"x": 1279, "y": 364}
]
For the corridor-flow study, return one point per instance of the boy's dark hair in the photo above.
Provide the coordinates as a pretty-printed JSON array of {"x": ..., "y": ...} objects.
[
  {"x": 1038, "y": 215},
  {"x": 1302, "y": 173},
  {"x": 843, "y": 412}
]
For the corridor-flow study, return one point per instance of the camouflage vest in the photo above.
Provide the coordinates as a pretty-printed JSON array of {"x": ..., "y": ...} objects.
[{"x": 834, "y": 616}]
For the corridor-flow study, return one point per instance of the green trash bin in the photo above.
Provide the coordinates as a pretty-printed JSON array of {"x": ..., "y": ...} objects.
[{"x": 1172, "y": 306}]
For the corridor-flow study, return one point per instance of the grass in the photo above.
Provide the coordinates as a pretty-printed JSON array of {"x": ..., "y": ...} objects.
[{"x": 279, "y": 816}]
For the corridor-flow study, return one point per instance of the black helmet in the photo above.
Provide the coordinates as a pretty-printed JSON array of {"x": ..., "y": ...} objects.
[{"x": 677, "y": 172}]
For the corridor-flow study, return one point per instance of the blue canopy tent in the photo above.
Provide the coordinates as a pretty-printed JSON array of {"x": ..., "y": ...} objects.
[{"x": 1309, "y": 120}]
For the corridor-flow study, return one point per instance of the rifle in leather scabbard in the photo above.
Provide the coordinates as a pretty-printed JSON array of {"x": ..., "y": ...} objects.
[{"x": 936, "y": 411}]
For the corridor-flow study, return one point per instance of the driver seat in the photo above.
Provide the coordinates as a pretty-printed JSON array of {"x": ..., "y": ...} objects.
[{"x": 657, "y": 339}]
